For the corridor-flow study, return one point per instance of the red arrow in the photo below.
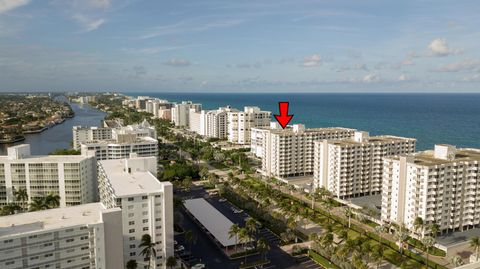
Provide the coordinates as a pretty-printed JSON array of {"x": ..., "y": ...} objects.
[{"x": 283, "y": 118}]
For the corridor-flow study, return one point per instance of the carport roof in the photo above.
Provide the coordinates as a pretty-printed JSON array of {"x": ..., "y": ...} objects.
[{"x": 214, "y": 221}]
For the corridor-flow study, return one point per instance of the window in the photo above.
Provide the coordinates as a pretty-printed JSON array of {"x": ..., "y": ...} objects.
[
  {"x": 130, "y": 199},
  {"x": 131, "y": 222},
  {"x": 131, "y": 238},
  {"x": 69, "y": 240},
  {"x": 130, "y": 215},
  {"x": 131, "y": 231},
  {"x": 133, "y": 254},
  {"x": 132, "y": 246},
  {"x": 144, "y": 197},
  {"x": 145, "y": 220},
  {"x": 145, "y": 228}
]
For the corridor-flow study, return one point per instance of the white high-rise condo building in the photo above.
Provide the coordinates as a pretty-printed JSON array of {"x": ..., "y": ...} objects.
[
  {"x": 122, "y": 147},
  {"x": 240, "y": 123},
  {"x": 210, "y": 123},
  {"x": 83, "y": 135},
  {"x": 353, "y": 166},
  {"x": 289, "y": 152},
  {"x": 441, "y": 186},
  {"x": 79, "y": 237},
  {"x": 147, "y": 206},
  {"x": 72, "y": 177},
  {"x": 180, "y": 113}
]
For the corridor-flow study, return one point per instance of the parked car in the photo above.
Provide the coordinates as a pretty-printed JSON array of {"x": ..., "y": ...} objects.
[
  {"x": 199, "y": 266},
  {"x": 179, "y": 248},
  {"x": 222, "y": 200}
]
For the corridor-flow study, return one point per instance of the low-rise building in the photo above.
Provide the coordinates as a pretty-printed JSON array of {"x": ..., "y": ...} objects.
[
  {"x": 353, "y": 166},
  {"x": 72, "y": 177},
  {"x": 81, "y": 237},
  {"x": 122, "y": 147},
  {"x": 441, "y": 186},
  {"x": 147, "y": 206}
]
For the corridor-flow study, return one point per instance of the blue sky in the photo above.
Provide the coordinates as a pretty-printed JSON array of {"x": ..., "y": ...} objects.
[{"x": 205, "y": 45}]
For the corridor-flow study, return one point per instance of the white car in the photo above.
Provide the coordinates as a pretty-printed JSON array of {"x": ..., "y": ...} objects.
[
  {"x": 222, "y": 200},
  {"x": 180, "y": 248},
  {"x": 199, "y": 266}
]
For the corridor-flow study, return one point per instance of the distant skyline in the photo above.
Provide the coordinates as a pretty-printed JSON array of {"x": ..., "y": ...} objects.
[{"x": 239, "y": 46}]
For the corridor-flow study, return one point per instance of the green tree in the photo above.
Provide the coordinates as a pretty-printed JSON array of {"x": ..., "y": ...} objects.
[
  {"x": 132, "y": 264},
  {"x": 251, "y": 226},
  {"x": 263, "y": 247},
  {"x": 475, "y": 243},
  {"x": 190, "y": 238},
  {"x": 457, "y": 261},
  {"x": 233, "y": 232},
  {"x": 10, "y": 209},
  {"x": 244, "y": 237},
  {"x": 418, "y": 224},
  {"x": 428, "y": 242},
  {"x": 22, "y": 196},
  {"x": 52, "y": 200},
  {"x": 434, "y": 229},
  {"x": 171, "y": 262},
  {"x": 148, "y": 248},
  {"x": 38, "y": 203}
]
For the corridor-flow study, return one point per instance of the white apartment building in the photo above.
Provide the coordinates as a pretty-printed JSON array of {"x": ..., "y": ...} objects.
[
  {"x": 72, "y": 177},
  {"x": 353, "y": 166},
  {"x": 122, "y": 147},
  {"x": 289, "y": 152},
  {"x": 180, "y": 112},
  {"x": 147, "y": 206},
  {"x": 440, "y": 186},
  {"x": 240, "y": 123},
  {"x": 83, "y": 134},
  {"x": 210, "y": 123},
  {"x": 79, "y": 237}
]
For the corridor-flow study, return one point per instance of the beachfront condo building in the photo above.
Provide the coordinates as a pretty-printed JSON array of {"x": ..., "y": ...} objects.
[
  {"x": 81, "y": 237},
  {"x": 240, "y": 123},
  {"x": 72, "y": 177},
  {"x": 180, "y": 113},
  {"x": 210, "y": 123},
  {"x": 442, "y": 186},
  {"x": 122, "y": 147},
  {"x": 147, "y": 206},
  {"x": 353, "y": 166},
  {"x": 289, "y": 152}
]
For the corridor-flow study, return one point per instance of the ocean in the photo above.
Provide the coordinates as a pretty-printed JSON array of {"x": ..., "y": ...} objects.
[{"x": 430, "y": 118}]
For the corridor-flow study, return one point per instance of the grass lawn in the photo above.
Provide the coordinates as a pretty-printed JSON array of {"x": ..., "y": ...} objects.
[{"x": 321, "y": 260}]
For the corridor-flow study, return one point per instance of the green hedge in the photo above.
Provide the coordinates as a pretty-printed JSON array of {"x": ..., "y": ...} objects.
[{"x": 322, "y": 260}]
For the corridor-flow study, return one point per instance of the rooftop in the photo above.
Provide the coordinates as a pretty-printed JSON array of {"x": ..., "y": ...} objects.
[
  {"x": 51, "y": 219},
  {"x": 371, "y": 140},
  {"x": 215, "y": 222},
  {"x": 428, "y": 158},
  {"x": 145, "y": 139},
  {"x": 290, "y": 130},
  {"x": 133, "y": 183}
]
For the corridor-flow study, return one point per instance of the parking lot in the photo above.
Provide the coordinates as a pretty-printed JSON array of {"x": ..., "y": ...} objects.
[{"x": 208, "y": 253}]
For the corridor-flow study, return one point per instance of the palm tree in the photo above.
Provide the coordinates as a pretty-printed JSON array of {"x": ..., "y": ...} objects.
[
  {"x": 428, "y": 242},
  {"x": 475, "y": 243},
  {"x": 251, "y": 226},
  {"x": 10, "y": 209},
  {"x": 244, "y": 237},
  {"x": 343, "y": 234},
  {"x": 22, "y": 196},
  {"x": 148, "y": 246},
  {"x": 132, "y": 264},
  {"x": 263, "y": 247},
  {"x": 191, "y": 238},
  {"x": 434, "y": 229},
  {"x": 52, "y": 200},
  {"x": 418, "y": 224},
  {"x": 348, "y": 214},
  {"x": 233, "y": 232},
  {"x": 326, "y": 240},
  {"x": 380, "y": 229},
  {"x": 401, "y": 235},
  {"x": 171, "y": 262},
  {"x": 292, "y": 225},
  {"x": 38, "y": 203}
]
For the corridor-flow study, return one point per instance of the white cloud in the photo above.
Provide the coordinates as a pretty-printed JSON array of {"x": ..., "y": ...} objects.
[
  {"x": 99, "y": 3},
  {"x": 439, "y": 47},
  {"x": 7, "y": 5},
  {"x": 189, "y": 26},
  {"x": 473, "y": 78},
  {"x": 465, "y": 65},
  {"x": 403, "y": 77},
  {"x": 312, "y": 61},
  {"x": 178, "y": 62},
  {"x": 87, "y": 23},
  {"x": 370, "y": 78}
]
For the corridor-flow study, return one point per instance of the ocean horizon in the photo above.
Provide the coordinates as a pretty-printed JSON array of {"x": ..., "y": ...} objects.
[{"x": 431, "y": 118}]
